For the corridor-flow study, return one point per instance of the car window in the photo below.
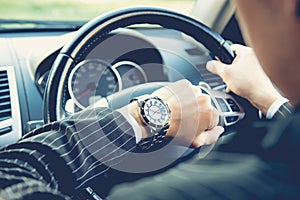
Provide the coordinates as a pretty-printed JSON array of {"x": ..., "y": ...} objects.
[{"x": 78, "y": 10}]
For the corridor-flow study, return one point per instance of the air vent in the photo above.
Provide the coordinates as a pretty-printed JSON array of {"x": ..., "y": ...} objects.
[
  {"x": 10, "y": 119},
  {"x": 5, "y": 103}
]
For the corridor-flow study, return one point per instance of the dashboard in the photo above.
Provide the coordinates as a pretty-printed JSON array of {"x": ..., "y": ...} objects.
[{"x": 129, "y": 57}]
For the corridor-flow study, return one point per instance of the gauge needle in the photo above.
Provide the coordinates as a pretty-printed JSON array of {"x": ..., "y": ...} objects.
[{"x": 89, "y": 88}]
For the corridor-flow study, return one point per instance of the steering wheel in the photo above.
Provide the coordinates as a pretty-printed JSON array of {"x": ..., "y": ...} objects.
[{"x": 96, "y": 30}]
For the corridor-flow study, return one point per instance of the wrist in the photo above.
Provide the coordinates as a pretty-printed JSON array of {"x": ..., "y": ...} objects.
[
  {"x": 133, "y": 110},
  {"x": 264, "y": 101}
]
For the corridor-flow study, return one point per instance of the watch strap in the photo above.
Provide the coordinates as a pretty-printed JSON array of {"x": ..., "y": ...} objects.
[{"x": 154, "y": 142}]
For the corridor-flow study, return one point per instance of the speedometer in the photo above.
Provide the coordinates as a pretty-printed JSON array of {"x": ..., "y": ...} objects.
[{"x": 91, "y": 80}]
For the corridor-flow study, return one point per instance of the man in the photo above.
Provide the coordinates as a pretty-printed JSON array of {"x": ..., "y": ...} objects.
[
  {"x": 261, "y": 161},
  {"x": 53, "y": 161}
]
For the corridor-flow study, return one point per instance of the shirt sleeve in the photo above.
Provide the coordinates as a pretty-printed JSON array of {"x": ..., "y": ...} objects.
[
  {"x": 275, "y": 106},
  {"x": 136, "y": 128},
  {"x": 281, "y": 108}
]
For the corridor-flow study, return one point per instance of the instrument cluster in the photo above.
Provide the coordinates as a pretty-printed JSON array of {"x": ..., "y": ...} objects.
[{"x": 93, "y": 79}]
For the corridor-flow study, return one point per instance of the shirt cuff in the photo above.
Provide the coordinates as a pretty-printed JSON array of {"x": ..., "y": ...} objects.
[
  {"x": 136, "y": 128},
  {"x": 275, "y": 107}
]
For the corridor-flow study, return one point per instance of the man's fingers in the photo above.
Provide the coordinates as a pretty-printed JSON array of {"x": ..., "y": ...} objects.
[
  {"x": 213, "y": 135},
  {"x": 208, "y": 137},
  {"x": 214, "y": 119},
  {"x": 228, "y": 90},
  {"x": 215, "y": 67},
  {"x": 238, "y": 47}
]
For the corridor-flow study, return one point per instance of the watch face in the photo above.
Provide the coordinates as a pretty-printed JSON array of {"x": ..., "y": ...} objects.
[{"x": 155, "y": 112}]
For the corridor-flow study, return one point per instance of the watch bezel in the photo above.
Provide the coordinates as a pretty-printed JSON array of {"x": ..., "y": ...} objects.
[{"x": 145, "y": 119}]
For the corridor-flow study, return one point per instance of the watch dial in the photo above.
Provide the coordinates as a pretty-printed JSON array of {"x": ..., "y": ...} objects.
[{"x": 156, "y": 112}]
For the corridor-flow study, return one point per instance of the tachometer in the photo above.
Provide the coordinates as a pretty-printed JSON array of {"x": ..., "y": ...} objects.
[
  {"x": 131, "y": 73},
  {"x": 91, "y": 80}
]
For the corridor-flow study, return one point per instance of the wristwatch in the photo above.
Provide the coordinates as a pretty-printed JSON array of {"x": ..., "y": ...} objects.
[{"x": 155, "y": 115}]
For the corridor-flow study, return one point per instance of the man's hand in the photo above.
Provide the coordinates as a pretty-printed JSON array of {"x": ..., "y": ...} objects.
[
  {"x": 193, "y": 120},
  {"x": 246, "y": 78}
]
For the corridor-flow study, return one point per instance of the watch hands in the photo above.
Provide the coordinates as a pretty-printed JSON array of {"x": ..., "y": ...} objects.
[{"x": 157, "y": 111}]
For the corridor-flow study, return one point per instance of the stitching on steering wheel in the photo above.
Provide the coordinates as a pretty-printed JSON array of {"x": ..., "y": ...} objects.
[{"x": 89, "y": 45}]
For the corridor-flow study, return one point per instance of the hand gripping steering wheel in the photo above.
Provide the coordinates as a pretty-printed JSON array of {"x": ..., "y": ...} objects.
[{"x": 96, "y": 30}]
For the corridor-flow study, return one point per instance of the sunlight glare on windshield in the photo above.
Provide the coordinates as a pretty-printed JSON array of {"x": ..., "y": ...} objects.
[{"x": 78, "y": 10}]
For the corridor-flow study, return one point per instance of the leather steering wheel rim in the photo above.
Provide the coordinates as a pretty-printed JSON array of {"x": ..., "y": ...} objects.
[{"x": 98, "y": 28}]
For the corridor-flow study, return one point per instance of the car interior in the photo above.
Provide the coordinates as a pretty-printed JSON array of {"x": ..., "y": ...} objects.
[{"x": 47, "y": 73}]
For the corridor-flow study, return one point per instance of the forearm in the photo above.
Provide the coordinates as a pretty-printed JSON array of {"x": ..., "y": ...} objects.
[{"x": 264, "y": 99}]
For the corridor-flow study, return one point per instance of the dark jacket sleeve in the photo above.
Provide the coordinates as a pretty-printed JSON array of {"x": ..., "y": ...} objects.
[{"x": 58, "y": 158}]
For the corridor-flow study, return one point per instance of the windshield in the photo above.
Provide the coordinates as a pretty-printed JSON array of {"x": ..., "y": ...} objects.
[{"x": 30, "y": 13}]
